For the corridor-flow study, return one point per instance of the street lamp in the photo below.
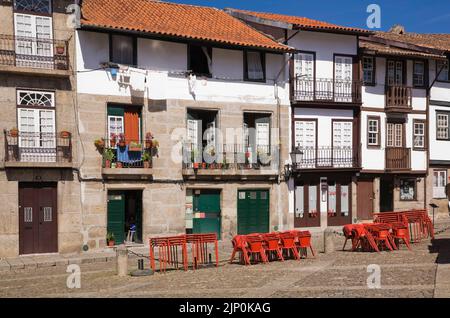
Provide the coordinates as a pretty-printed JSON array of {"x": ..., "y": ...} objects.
[
  {"x": 296, "y": 157},
  {"x": 434, "y": 206}
]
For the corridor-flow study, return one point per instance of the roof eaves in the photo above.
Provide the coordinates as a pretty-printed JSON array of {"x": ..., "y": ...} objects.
[
  {"x": 404, "y": 45},
  {"x": 264, "y": 21}
]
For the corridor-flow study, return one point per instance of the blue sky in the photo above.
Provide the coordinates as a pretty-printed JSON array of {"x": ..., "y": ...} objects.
[{"x": 424, "y": 16}]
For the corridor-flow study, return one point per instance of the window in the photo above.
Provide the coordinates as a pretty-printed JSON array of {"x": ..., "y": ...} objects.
[
  {"x": 439, "y": 183},
  {"x": 369, "y": 70},
  {"x": 443, "y": 127},
  {"x": 373, "y": 131},
  {"x": 407, "y": 189},
  {"x": 200, "y": 60},
  {"x": 304, "y": 69},
  {"x": 419, "y": 135},
  {"x": 123, "y": 49},
  {"x": 125, "y": 121},
  {"x": 257, "y": 136},
  {"x": 35, "y": 6},
  {"x": 419, "y": 73},
  {"x": 394, "y": 135},
  {"x": 254, "y": 66},
  {"x": 443, "y": 67},
  {"x": 394, "y": 72}
]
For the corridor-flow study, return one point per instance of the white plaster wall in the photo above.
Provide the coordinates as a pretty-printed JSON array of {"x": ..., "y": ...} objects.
[
  {"x": 373, "y": 158},
  {"x": 324, "y": 122},
  {"x": 440, "y": 90},
  {"x": 325, "y": 45},
  {"x": 93, "y": 48},
  {"x": 439, "y": 149},
  {"x": 418, "y": 158}
]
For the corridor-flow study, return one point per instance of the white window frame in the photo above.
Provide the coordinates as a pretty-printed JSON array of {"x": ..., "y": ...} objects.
[
  {"x": 445, "y": 73},
  {"x": 442, "y": 126},
  {"x": 417, "y": 124},
  {"x": 394, "y": 135},
  {"x": 418, "y": 78},
  {"x": 375, "y": 133},
  {"x": 369, "y": 67},
  {"x": 121, "y": 131},
  {"x": 439, "y": 187}
]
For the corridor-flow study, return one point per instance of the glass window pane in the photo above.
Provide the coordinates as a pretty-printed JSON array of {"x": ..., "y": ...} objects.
[
  {"x": 312, "y": 199},
  {"x": 345, "y": 199},
  {"x": 122, "y": 49}
]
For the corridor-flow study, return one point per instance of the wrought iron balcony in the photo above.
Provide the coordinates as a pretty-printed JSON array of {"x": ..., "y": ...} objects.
[
  {"x": 38, "y": 53},
  {"x": 326, "y": 90},
  {"x": 327, "y": 158},
  {"x": 126, "y": 154},
  {"x": 30, "y": 149},
  {"x": 398, "y": 158},
  {"x": 230, "y": 159},
  {"x": 398, "y": 98}
]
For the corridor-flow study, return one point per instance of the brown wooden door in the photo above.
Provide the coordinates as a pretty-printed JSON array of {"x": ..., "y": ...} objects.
[
  {"x": 365, "y": 199},
  {"x": 339, "y": 201},
  {"x": 307, "y": 202},
  {"x": 38, "y": 229}
]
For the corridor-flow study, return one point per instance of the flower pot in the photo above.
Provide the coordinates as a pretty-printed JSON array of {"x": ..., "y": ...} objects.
[
  {"x": 219, "y": 166},
  {"x": 148, "y": 144},
  {"x": 14, "y": 132},
  {"x": 212, "y": 166},
  {"x": 60, "y": 50},
  {"x": 204, "y": 165},
  {"x": 195, "y": 165},
  {"x": 119, "y": 165},
  {"x": 111, "y": 243},
  {"x": 134, "y": 148},
  {"x": 122, "y": 144},
  {"x": 107, "y": 163},
  {"x": 146, "y": 164},
  {"x": 64, "y": 134}
]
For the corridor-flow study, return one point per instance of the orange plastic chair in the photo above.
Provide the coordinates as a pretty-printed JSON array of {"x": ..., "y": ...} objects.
[
  {"x": 288, "y": 244},
  {"x": 272, "y": 246},
  {"x": 240, "y": 246},
  {"x": 255, "y": 248},
  {"x": 401, "y": 233},
  {"x": 304, "y": 242}
]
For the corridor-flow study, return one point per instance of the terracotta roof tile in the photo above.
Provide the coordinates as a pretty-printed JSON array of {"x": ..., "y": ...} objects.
[
  {"x": 380, "y": 48},
  {"x": 174, "y": 20},
  {"x": 433, "y": 41},
  {"x": 302, "y": 22}
]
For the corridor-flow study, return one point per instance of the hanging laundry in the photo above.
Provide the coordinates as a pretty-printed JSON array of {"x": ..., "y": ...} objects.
[
  {"x": 157, "y": 85},
  {"x": 137, "y": 79}
]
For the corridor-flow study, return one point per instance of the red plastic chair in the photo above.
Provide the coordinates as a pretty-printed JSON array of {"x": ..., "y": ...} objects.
[
  {"x": 240, "y": 246},
  {"x": 255, "y": 248},
  {"x": 400, "y": 233},
  {"x": 272, "y": 246},
  {"x": 288, "y": 244},
  {"x": 304, "y": 242}
]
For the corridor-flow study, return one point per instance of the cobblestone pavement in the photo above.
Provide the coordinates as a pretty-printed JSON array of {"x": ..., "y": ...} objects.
[{"x": 338, "y": 274}]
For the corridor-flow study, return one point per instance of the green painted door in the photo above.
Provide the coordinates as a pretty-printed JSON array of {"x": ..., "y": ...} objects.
[
  {"x": 116, "y": 215},
  {"x": 253, "y": 211},
  {"x": 207, "y": 217}
]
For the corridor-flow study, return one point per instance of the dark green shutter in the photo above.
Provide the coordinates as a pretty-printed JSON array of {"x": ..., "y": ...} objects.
[
  {"x": 115, "y": 111},
  {"x": 253, "y": 211},
  {"x": 116, "y": 216},
  {"x": 208, "y": 202}
]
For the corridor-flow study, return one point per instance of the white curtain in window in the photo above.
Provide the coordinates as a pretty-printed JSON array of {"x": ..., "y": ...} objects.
[
  {"x": 254, "y": 66},
  {"x": 122, "y": 49}
]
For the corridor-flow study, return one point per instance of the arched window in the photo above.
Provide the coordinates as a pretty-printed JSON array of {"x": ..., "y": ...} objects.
[{"x": 37, "y": 6}]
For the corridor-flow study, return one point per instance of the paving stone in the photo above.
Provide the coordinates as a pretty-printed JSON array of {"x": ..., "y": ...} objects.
[
  {"x": 15, "y": 263},
  {"x": 4, "y": 266},
  {"x": 29, "y": 262}
]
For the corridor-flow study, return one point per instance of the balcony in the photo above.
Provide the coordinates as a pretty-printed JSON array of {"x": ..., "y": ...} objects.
[
  {"x": 398, "y": 99},
  {"x": 230, "y": 162},
  {"x": 398, "y": 159},
  {"x": 324, "y": 90},
  {"x": 126, "y": 160},
  {"x": 34, "y": 56},
  {"x": 328, "y": 158},
  {"x": 37, "y": 150}
]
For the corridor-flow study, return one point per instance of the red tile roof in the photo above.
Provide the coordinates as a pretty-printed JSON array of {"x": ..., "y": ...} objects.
[
  {"x": 384, "y": 49},
  {"x": 432, "y": 41},
  {"x": 174, "y": 20},
  {"x": 302, "y": 22}
]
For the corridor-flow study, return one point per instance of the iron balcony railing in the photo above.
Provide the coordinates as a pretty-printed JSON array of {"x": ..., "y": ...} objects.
[
  {"x": 126, "y": 154},
  {"x": 326, "y": 90},
  {"x": 34, "y": 52},
  {"x": 328, "y": 157},
  {"x": 231, "y": 156},
  {"x": 37, "y": 147},
  {"x": 398, "y": 97},
  {"x": 398, "y": 158}
]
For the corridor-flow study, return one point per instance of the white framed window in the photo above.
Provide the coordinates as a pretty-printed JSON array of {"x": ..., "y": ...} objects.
[
  {"x": 373, "y": 131},
  {"x": 442, "y": 122},
  {"x": 439, "y": 183},
  {"x": 419, "y": 134},
  {"x": 304, "y": 65},
  {"x": 122, "y": 49},
  {"x": 394, "y": 135},
  {"x": 444, "y": 73},
  {"x": 115, "y": 127},
  {"x": 419, "y": 73},
  {"x": 255, "y": 66},
  {"x": 369, "y": 70}
]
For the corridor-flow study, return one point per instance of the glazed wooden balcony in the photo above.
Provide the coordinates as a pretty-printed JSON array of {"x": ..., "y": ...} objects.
[
  {"x": 326, "y": 90},
  {"x": 33, "y": 55},
  {"x": 230, "y": 162},
  {"x": 33, "y": 150},
  {"x": 398, "y": 98},
  {"x": 398, "y": 159},
  {"x": 324, "y": 158},
  {"x": 125, "y": 160}
]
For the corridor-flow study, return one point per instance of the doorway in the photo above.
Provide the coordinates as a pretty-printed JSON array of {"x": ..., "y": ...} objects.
[
  {"x": 365, "y": 199},
  {"x": 124, "y": 213},
  {"x": 253, "y": 211},
  {"x": 386, "y": 193},
  {"x": 38, "y": 225}
]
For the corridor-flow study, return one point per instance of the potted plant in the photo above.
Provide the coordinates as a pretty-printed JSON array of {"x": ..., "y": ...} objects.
[
  {"x": 149, "y": 140},
  {"x": 110, "y": 239},
  {"x": 109, "y": 157},
  {"x": 121, "y": 141},
  {"x": 113, "y": 139},
  {"x": 119, "y": 164},
  {"x": 14, "y": 132},
  {"x": 65, "y": 134},
  {"x": 60, "y": 49},
  {"x": 100, "y": 144},
  {"x": 154, "y": 148},
  {"x": 134, "y": 146},
  {"x": 146, "y": 157}
]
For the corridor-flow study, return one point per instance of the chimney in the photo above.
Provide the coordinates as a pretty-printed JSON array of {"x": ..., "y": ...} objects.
[{"x": 397, "y": 29}]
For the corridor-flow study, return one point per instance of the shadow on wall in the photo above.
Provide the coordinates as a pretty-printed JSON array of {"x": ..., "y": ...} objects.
[
  {"x": 35, "y": 81},
  {"x": 442, "y": 247}
]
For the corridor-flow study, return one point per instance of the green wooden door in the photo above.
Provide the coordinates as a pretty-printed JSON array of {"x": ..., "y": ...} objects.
[
  {"x": 207, "y": 202},
  {"x": 253, "y": 211},
  {"x": 116, "y": 215}
]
